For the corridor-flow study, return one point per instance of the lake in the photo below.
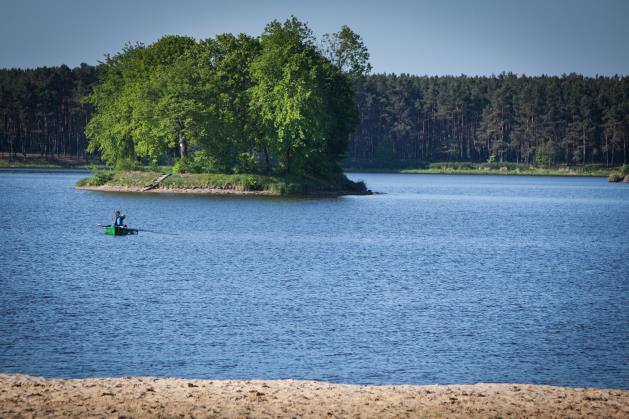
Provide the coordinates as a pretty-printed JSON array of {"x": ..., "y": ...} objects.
[{"x": 440, "y": 279}]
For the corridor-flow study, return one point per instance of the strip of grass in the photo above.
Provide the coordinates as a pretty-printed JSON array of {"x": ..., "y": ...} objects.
[
  {"x": 496, "y": 168},
  {"x": 37, "y": 162},
  {"x": 43, "y": 164},
  {"x": 510, "y": 169},
  {"x": 516, "y": 172},
  {"x": 97, "y": 179},
  {"x": 277, "y": 185}
]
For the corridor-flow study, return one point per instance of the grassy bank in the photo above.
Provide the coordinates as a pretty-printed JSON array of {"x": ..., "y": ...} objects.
[
  {"x": 32, "y": 161},
  {"x": 229, "y": 183},
  {"x": 513, "y": 169}
]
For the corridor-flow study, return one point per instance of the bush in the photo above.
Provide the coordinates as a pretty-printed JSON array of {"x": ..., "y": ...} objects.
[
  {"x": 251, "y": 184},
  {"x": 187, "y": 165},
  {"x": 624, "y": 169},
  {"x": 179, "y": 166},
  {"x": 615, "y": 177},
  {"x": 97, "y": 179},
  {"x": 197, "y": 162},
  {"x": 127, "y": 165}
]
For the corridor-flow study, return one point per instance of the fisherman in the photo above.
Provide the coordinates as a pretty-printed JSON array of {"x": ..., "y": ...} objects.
[{"x": 118, "y": 219}]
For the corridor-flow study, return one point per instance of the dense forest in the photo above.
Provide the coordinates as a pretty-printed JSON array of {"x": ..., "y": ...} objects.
[
  {"x": 42, "y": 112},
  {"x": 544, "y": 120},
  {"x": 249, "y": 110}
]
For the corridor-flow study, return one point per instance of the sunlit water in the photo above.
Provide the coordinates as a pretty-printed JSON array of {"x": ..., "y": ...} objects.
[{"x": 443, "y": 279}]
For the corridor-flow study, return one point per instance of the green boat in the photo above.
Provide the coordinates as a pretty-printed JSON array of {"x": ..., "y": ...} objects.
[{"x": 119, "y": 231}]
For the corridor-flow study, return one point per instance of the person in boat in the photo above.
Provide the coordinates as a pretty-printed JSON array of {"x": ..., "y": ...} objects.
[{"x": 118, "y": 219}]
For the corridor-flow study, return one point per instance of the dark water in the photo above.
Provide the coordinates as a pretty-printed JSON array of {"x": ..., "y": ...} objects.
[{"x": 444, "y": 279}]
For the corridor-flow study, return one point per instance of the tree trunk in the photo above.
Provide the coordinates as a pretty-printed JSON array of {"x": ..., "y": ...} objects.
[
  {"x": 182, "y": 144},
  {"x": 584, "y": 146},
  {"x": 266, "y": 160}
]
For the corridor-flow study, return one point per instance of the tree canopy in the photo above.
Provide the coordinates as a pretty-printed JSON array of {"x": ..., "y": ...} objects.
[{"x": 230, "y": 103}]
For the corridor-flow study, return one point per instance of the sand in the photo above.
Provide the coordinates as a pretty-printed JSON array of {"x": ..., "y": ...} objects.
[
  {"x": 211, "y": 191},
  {"x": 193, "y": 191},
  {"x": 25, "y": 396}
]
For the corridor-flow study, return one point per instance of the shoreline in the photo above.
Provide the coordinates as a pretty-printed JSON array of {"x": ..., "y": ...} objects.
[
  {"x": 214, "y": 191},
  {"x": 461, "y": 172},
  {"x": 472, "y": 172},
  {"x": 449, "y": 168},
  {"x": 29, "y": 396},
  {"x": 44, "y": 170},
  {"x": 190, "y": 191},
  {"x": 220, "y": 184}
]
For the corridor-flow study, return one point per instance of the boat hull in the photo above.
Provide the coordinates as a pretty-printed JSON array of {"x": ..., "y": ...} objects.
[{"x": 119, "y": 231}]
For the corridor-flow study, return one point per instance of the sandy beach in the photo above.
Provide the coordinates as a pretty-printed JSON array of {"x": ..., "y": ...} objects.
[{"x": 26, "y": 396}]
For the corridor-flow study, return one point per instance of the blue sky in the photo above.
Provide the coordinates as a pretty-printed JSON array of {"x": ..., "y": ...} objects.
[{"x": 418, "y": 37}]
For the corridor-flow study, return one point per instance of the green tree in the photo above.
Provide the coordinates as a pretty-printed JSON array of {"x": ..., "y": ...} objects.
[
  {"x": 150, "y": 100},
  {"x": 304, "y": 103},
  {"x": 223, "y": 64},
  {"x": 110, "y": 129},
  {"x": 347, "y": 51}
]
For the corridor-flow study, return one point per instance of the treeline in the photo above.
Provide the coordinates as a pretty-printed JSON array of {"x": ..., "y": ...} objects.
[
  {"x": 572, "y": 119},
  {"x": 41, "y": 110},
  {"x": 235, "y": 102}
]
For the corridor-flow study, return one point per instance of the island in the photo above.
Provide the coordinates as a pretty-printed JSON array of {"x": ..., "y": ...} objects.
[
  {"x": 232, "y": 114},
  {"x": 222, "y": 184}
]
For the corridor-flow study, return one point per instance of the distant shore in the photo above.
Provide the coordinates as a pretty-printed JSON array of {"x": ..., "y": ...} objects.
[
  {"x": 481, "y": 172},
  {"x": 506, "y": 169},
  {"x": 26, "y": 396},
  {"x": 439, "y": 168},
  {"x": 38, "y": 162}
]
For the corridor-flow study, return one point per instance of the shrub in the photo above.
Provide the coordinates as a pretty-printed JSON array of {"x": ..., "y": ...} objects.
[
  {"x": 97, "y": 179},
  {"x": 127, "y": 165},
  {"x": 615, "y": 177},
  {"x": 251, "y": 183},
  {"x": 179, "y": 166},
  {"x": 197, "y": 162}
]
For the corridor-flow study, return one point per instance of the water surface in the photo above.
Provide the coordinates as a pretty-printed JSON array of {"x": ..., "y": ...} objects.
[{"x": 443, "y": 279}]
